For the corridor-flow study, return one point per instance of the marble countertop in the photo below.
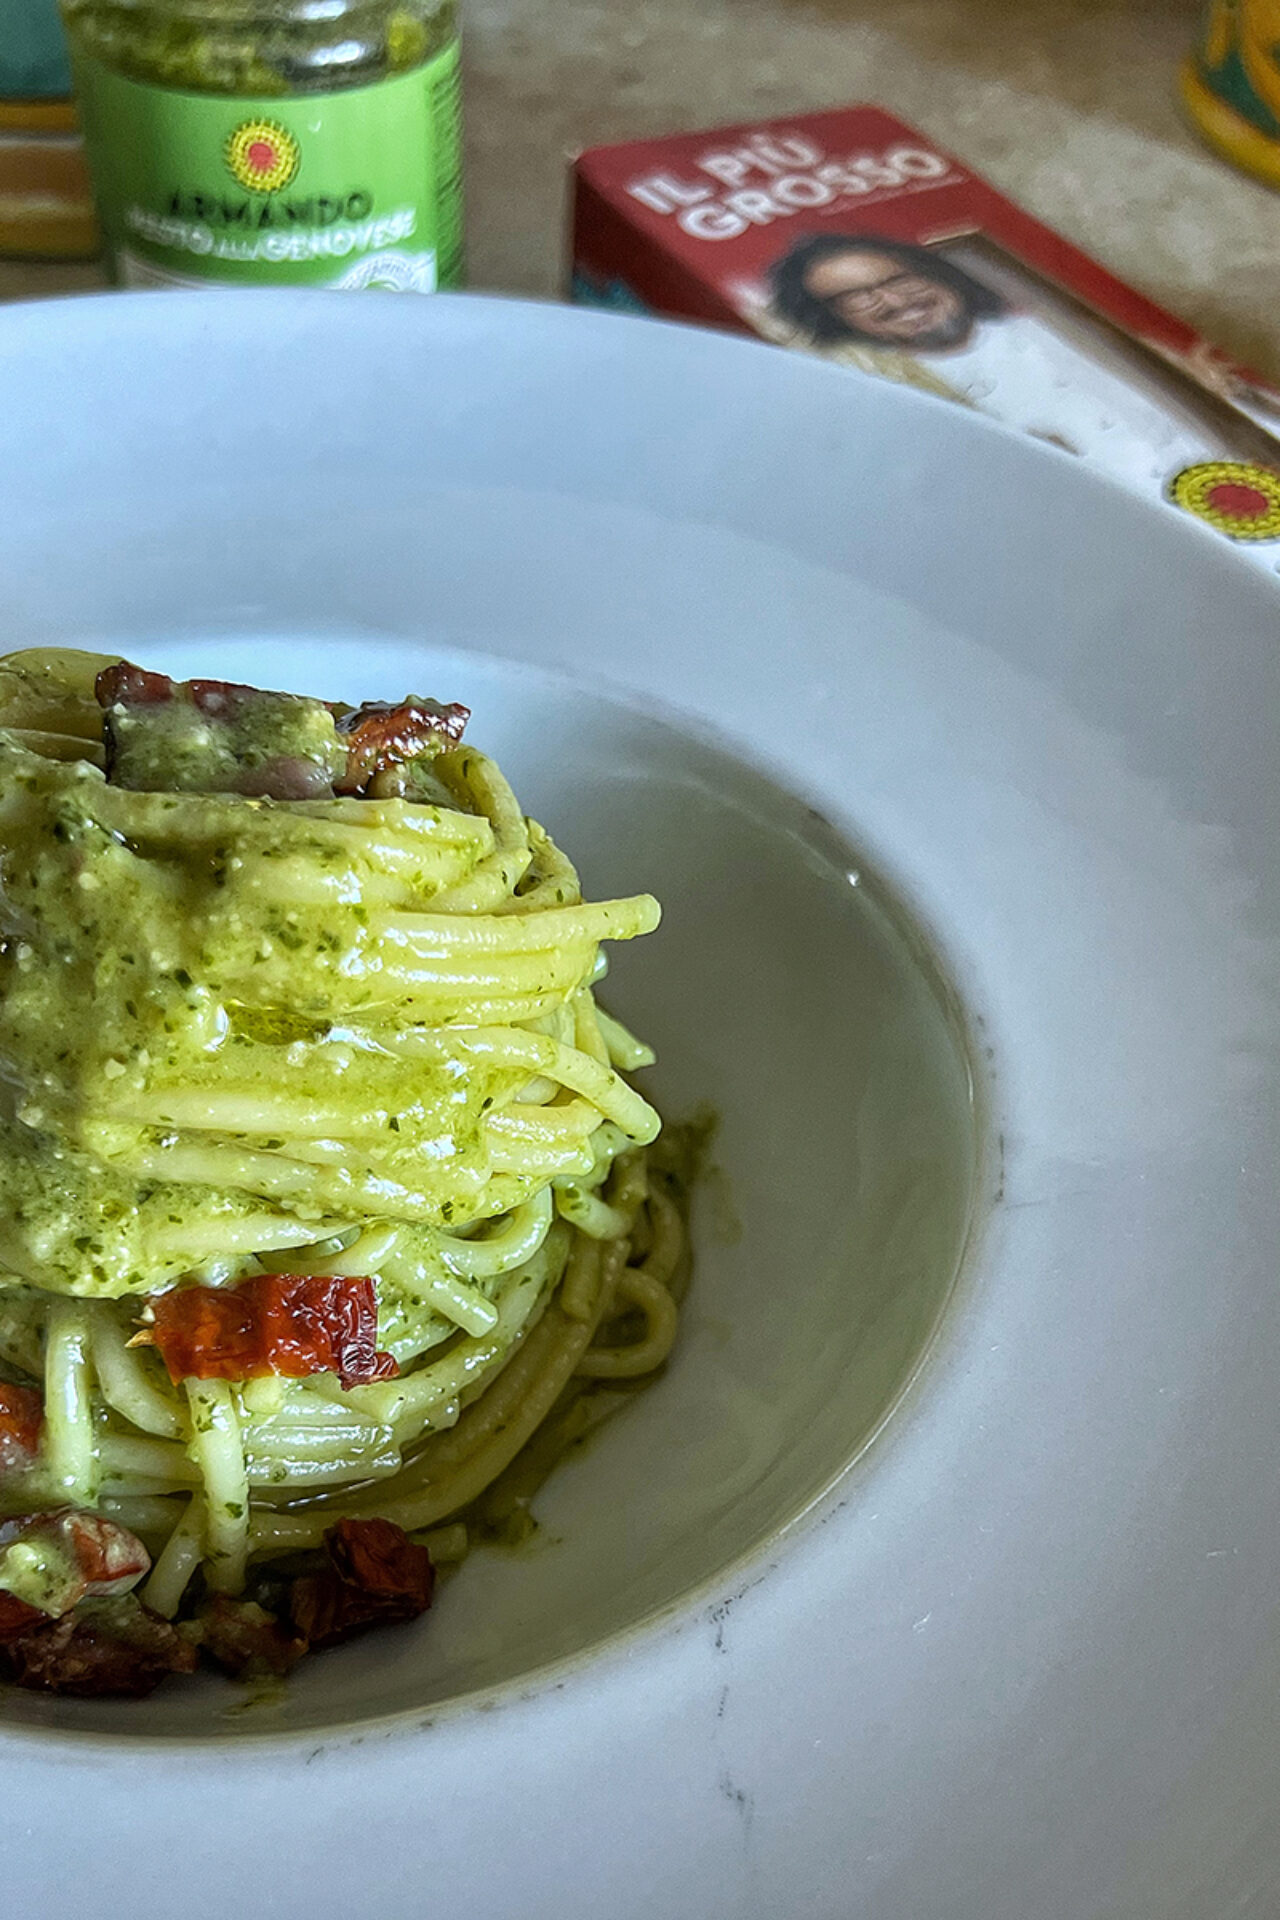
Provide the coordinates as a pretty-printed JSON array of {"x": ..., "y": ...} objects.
[{"x": 1069, "y": 106}]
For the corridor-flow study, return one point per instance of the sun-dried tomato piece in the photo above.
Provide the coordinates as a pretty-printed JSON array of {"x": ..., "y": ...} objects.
[
  {"x": 247, "y": 1640},
  {"x": 21, "y": 1412},
  {"x": 379, "y": 1557},
  {"x": 81, "y": 1553},
  {"x": 376, "y": 1577},
  {"x": 105, "y": 1647},
  {"x": 283, "y": 1323},
  {"x": 379, "y": 735},
  {"x": 110, "y": 1558}
]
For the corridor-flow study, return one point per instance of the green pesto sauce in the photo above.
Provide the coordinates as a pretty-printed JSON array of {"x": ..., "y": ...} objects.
[
  {"x": 172, "y": 747},
  {"x": 157, "y": 998},
  {"x": 73, "y": 1223},
  {"x": 40, "y": 1571}
]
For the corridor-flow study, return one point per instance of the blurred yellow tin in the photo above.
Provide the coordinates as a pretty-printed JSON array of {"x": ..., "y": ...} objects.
[{"x": 1231, "y": 83}]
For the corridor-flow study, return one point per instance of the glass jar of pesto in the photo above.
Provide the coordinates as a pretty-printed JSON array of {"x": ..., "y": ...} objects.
[{"x": 251, "y": 142}]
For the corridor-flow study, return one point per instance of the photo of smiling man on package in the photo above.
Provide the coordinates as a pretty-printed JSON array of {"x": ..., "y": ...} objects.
[{"x": 999, "y": 338}]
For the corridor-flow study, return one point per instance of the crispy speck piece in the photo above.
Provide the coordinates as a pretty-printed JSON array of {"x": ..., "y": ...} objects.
[
  {"x": 115, "y": 1647},
  {"x": 246, "y": 1640}
]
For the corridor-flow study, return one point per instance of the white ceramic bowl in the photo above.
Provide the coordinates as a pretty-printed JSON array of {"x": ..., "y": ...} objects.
[{"x": 957, "y": 771}]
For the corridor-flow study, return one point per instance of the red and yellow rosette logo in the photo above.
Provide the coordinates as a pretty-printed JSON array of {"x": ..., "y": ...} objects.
[
  {"x": 262, "y": 155},
  {"x": 1238, "y": 498}
]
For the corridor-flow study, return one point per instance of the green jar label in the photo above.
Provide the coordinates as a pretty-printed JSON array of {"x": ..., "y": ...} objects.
[{"x": 356, "y": 189}]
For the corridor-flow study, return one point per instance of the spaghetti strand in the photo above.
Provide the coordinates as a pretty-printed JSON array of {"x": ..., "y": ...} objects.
[{"x": 256, "y": 1042}]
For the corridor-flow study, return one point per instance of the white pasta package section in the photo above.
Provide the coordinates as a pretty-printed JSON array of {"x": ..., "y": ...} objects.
[{"x": 340, "y": 1036}]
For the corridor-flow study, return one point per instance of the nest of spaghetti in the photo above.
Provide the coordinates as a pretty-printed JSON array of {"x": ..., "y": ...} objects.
[{"x": 329, "y": 1217}]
